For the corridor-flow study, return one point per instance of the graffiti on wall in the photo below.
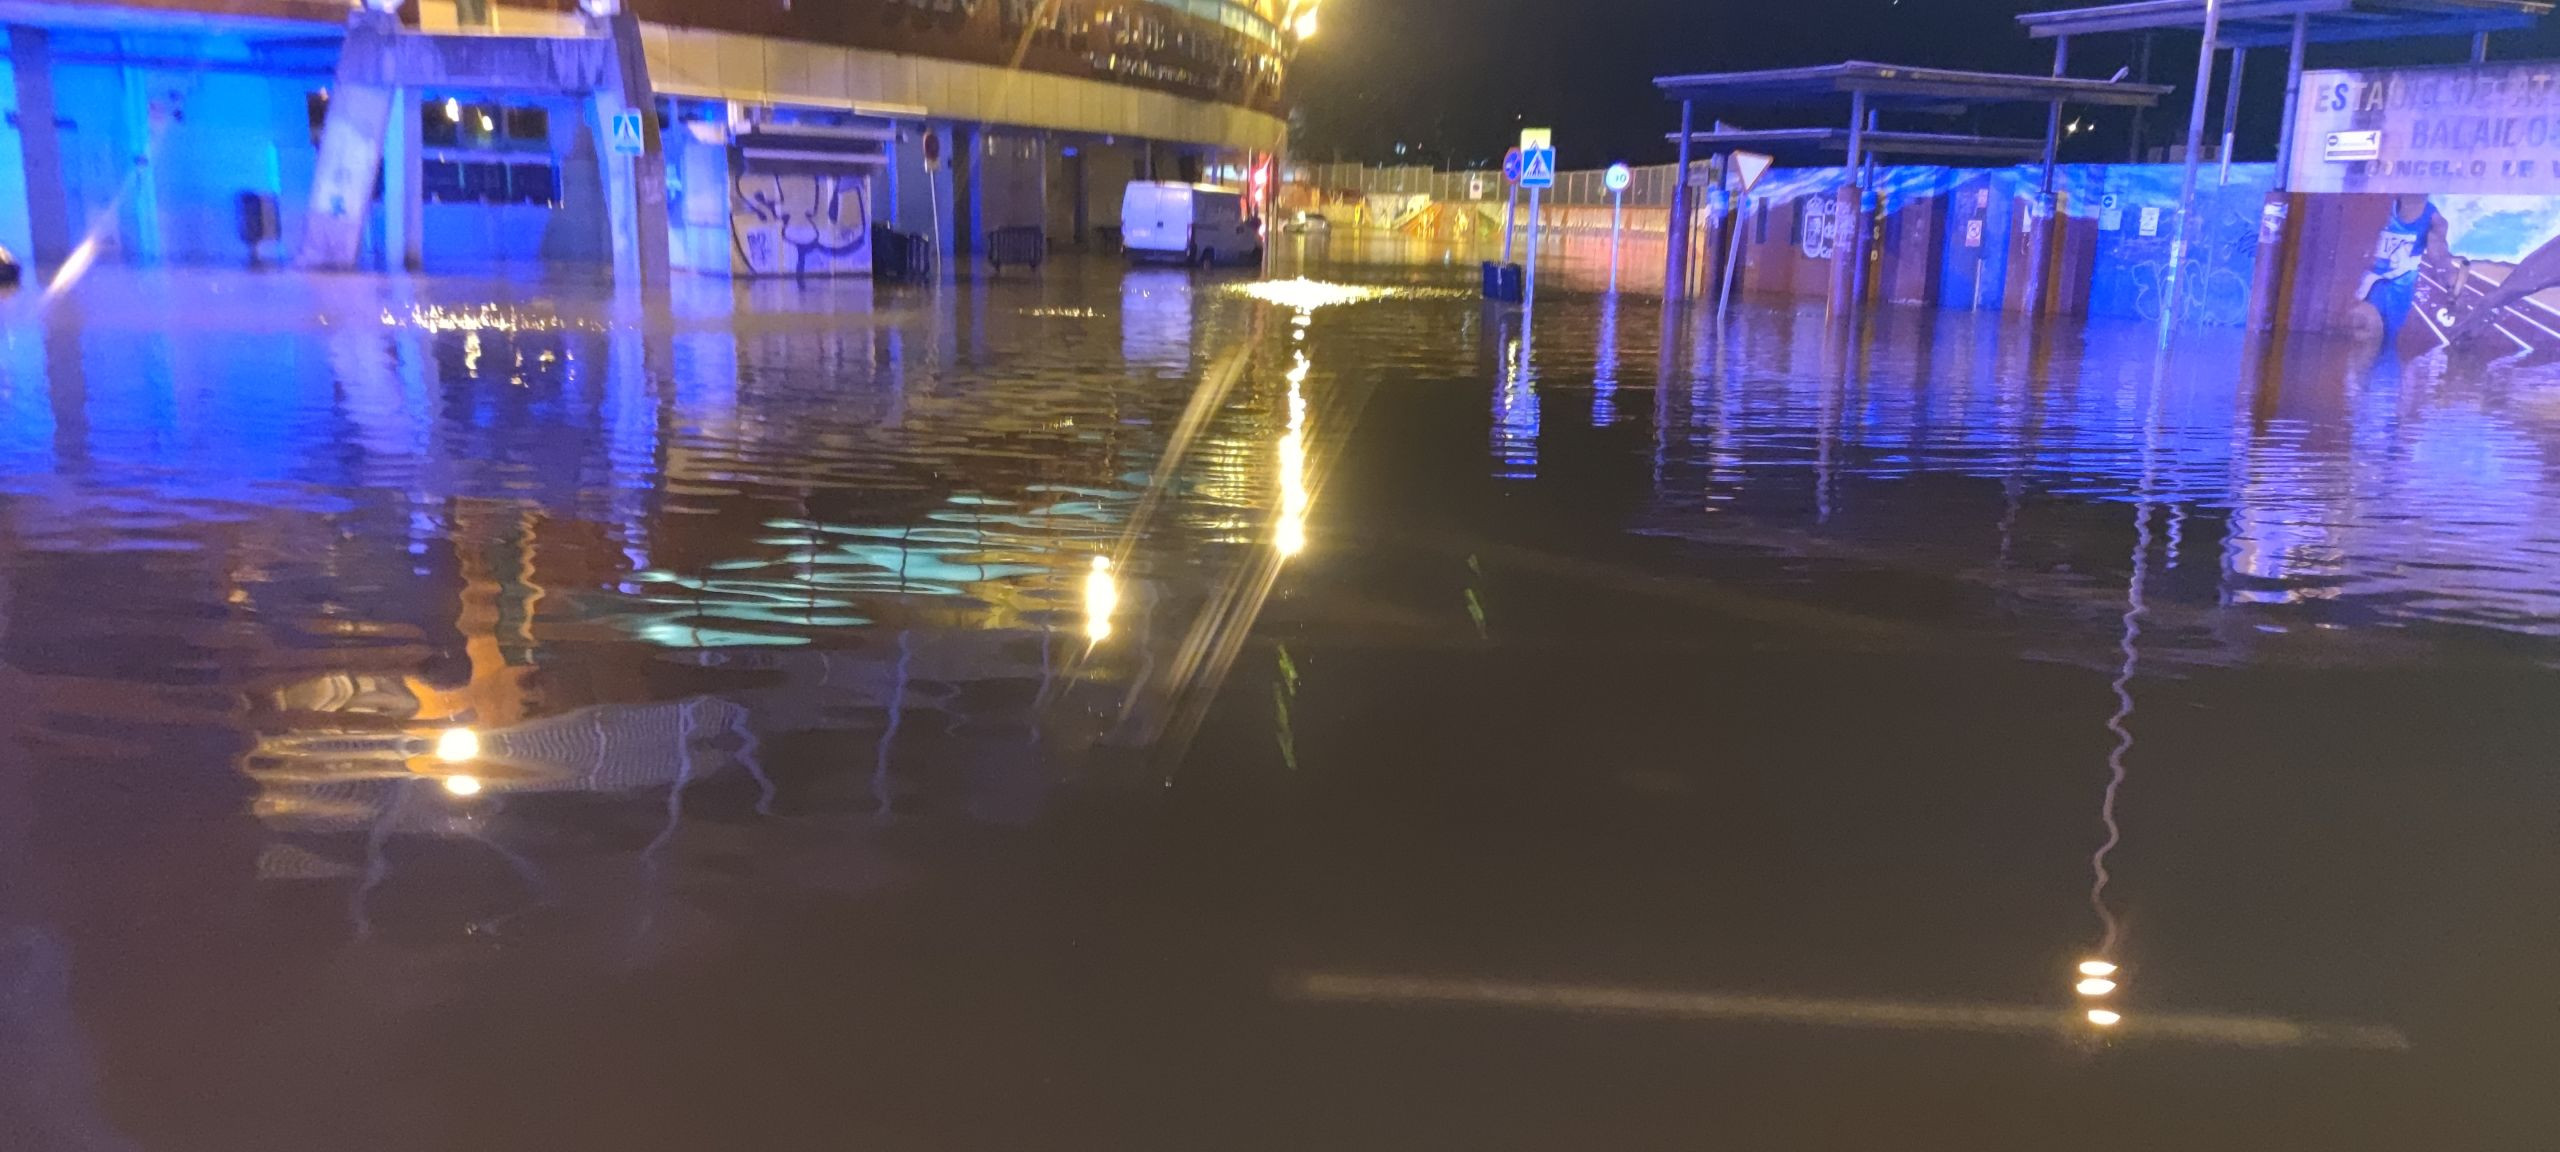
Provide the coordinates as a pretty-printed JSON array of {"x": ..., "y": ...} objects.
[
  {"x": 801, "y": 223},
  {"x": 2136, "y": 210}
]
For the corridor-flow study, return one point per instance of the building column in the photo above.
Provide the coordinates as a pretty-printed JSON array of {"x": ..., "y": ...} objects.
[
  {"x": 635, "y": 186},
  {"x": 2275, "y": 220},
  {"x": 1849, "y": 206},
  {"x": 49, "y": 226},
  {"x": 2170, "y": 300},
  {"x": 2047, "y": 219},
  {"x": 2231, "y": 109},
  {"x": 1675, "y": 264},
  {"x": 403, "y": 197},
  {"x": 972, "y": 222},
  {"x": 350, "y": 146}
]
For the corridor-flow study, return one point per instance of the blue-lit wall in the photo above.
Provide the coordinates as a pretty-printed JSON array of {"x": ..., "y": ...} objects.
[
  {"x": 161, "y": 134},
  {"x": 2127, "y": 271},
  {"x": 13, "y": 171},
  {"x": 2132, "y": 267},
  {"x": 477, "y": 237}
]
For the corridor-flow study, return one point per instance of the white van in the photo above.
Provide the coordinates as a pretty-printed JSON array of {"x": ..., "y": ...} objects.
[{"x": 1194, "y": 223}]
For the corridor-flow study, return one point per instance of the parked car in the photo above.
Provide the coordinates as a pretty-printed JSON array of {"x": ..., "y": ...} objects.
[
  {"x": 1194, "y": 223},
  {"x": 1306, "y": 222}
]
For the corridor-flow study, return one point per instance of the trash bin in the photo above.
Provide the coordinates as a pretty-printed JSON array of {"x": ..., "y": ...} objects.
[
  {"x": 257, "y": 215},
  {"x": 1023, "y": 247}
]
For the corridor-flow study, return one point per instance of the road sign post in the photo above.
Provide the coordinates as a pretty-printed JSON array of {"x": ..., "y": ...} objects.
[
  {"x": 1511, "y": 206},
  {"x": 1619, "y": 177},
  {"x": 1537, "y": 174},
  {"x": 1746, "y": 168}
]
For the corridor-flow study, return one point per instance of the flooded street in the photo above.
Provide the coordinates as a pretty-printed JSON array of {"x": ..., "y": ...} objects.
[{"x": 1150, "y": 708}]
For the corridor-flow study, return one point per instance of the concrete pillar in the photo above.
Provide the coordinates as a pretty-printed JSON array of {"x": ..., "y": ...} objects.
[
  {"x": 140, "y": 226},
  {"x": 2231, "y": 109},
  {"x": 403, "y": 196},
  {"x": 973, "y": 217},
  {"x": 1847, "y": 227},
  {"x": 2170, "y": 301},
  {"x": 635, "y": 186},
  {"x": 49, "y": 227},
  {"x": 2046, "y": 217},
  {"x": 350, "y": 147},
  {"x": 2276, "y": 228},
  {"x": 1675, "y": 266}
]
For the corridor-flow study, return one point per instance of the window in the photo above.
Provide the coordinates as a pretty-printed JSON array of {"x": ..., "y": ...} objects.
[{"x": 529, "y": 126}]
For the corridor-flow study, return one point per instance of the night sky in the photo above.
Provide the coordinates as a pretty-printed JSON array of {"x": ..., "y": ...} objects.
[{"x": 1454, "y": 80}]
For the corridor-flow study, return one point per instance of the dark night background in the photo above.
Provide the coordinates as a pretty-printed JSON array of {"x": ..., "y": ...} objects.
[{"x": 1454, "y": 80}]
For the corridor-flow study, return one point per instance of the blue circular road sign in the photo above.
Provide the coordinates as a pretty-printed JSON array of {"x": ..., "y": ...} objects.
[{"x": 1511, "y": 166}]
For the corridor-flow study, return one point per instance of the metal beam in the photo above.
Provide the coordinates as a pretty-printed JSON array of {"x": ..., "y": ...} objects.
[
  {"x": 2231, "y": 110},
  {"x": 1896, "y": 85},
  {"x": 2053, "y": 115},
  {"x": 1675, "y": 264},
  {"x": 2292, "y": 101},
  {"x": 1879, "y": 142},
  {"x": 2259, "y": 23},
  {"x": 2187, "y": 190},
  {"x": 2270, "y": 34}
]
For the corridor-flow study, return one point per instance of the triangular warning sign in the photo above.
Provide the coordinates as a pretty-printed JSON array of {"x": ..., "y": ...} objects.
[{"x": 1751, "y": 166}]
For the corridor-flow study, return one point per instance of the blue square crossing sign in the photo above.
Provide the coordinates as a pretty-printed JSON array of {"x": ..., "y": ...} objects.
[
  {"x": 1537, "y": 158},
  {"x": 627, "y": 140},
  {"x": 1538, "y": 168}
]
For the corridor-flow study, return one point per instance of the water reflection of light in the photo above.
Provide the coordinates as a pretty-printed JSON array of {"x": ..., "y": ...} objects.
[
  {"x": 1604, "y": 372},
  {"x": 1308, "y": 295},
  {"x": 462, "y": 785},
  {"x": 2095, "y": 986},
  {"x": 1291, "y": 535},
  {"x": 483, "y": 318},
  {"x": 2097, "y": 968},
  {"x": 2104, "y": 1018},
  {"x": 1515, "y": 416},
  {"x": 1101, "y": 599},
  {"x": 455, "y": 745}
]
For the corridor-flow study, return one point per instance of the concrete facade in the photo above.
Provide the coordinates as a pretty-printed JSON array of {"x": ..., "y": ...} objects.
[{"x": 166, "y": 113}]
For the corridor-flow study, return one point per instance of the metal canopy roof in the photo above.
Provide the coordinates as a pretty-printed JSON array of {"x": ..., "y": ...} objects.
[
  {"x": 2259, "y": 23},
  {"x": 1798, "y": 141},
  {"x": 1892, "y": 85}
]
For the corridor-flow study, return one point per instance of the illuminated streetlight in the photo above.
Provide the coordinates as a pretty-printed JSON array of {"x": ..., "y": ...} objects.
[
  {"x": 1307, "y": 25},
  {"x": 453, "y": 109},
  {"x": 2097, "y": 968}
]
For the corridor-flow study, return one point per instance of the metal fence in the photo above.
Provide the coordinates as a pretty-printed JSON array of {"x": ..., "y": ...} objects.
[{"x": 1651, "y": 187}]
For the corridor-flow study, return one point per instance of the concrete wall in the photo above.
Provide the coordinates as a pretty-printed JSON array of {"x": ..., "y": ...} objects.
[
  {"x": 472, "y": 237},
  {"x": 155, "y": 153},
  {"x": 692, "y": 62},
  {"x": 15, "y": 233}
]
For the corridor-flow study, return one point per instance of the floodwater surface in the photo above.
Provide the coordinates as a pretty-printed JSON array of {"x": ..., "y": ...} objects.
[{"x": 1164, "y": 709}]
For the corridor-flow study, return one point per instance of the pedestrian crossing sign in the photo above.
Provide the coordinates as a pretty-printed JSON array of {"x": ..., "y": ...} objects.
[
  {"x": 1538, "y": 168},
  {"x": 626, "y": 134}
]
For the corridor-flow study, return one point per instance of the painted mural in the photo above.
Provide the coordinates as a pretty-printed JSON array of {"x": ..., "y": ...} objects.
[
  {"x": 2465, "y": 269},
  {"x": 2127, "y": 217},
  {"x": 801, "y": 223}
]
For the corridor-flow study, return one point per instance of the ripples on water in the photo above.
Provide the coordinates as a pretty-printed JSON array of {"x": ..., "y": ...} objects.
[{"x": 773, "y": 556}]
